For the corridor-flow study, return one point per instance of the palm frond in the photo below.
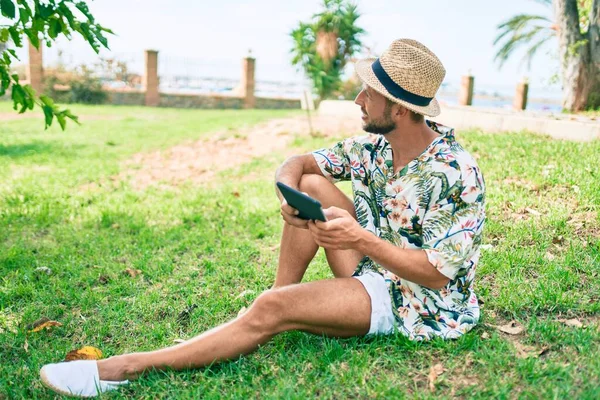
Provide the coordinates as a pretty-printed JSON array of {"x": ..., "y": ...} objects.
[
  {"x": 533, "y": 49},
  {"x": 517, "y": 24},
  {"x": 519, "y": 31}
]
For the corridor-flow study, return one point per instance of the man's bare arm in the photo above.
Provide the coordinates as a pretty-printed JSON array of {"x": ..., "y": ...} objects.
[
  {"x": 342, "y": 231},
  {"x": 410, "y": 264},
  {"x": 292, "y": 169},
  {"x": 290, "y": 173}
]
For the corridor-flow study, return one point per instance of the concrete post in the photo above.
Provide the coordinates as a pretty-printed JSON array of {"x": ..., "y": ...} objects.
[
  {"x": 520, "y": 101},
  {"x": 150, "y": 82},
  {"x": 36, "y": 68},
  {"x": 465, "y": 96},
  {"x": 247, "y": 84}
]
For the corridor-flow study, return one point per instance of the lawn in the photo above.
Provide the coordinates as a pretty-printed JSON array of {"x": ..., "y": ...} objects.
[{"x": 204, "y": 251}]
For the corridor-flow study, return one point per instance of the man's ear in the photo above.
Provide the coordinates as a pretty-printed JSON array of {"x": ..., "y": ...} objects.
[{"x": 400, "y": 111}]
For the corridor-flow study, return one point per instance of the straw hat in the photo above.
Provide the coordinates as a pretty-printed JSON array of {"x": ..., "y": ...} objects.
[{"x": 407, "y": 73}]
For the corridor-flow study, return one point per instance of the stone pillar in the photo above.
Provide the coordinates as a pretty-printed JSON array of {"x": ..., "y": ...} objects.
[
  {"x": 520, "y": 102},
  {"x": 465, "y": 96},
  {"x": 247, "y": 83},
  {"x": 36, "y": 68},
  {"x": 150, "y": 82}
]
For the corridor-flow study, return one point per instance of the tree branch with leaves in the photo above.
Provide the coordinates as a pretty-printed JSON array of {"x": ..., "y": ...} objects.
[
  {"x": 42, "y": 22},
  {"x": 576, "y": 26},
  {"x": 323, "y": 46}
]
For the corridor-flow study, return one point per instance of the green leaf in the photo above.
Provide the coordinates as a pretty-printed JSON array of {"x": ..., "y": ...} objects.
[
  {"x": 81, "y": 6},
  {"x": 101, "y": 38},
  {"x": 71, "y": 116},
  {"x": 33, "y": 38},
  {"x": 48, "y": 115},
  {"x": 47, "y": 101},
  {"x": 8, "y": 8},
  {"x": 30, "y": 91},
  {"x": 45, "y": 11},
  {"x": 106, "y": 30},
  {"x": 4, "y": 35},
  {"x": 24, "y": 14},
  {"x": 60, "y": 117},
  {"x": 64, "y": 10},
  {"x": 15, "y": 36},
  {"x": 17, "y": 96},
  {"x": 54, "y": 28}
]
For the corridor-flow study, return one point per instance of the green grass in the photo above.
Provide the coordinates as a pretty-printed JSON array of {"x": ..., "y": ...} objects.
[{"x": 199, "y": 247}]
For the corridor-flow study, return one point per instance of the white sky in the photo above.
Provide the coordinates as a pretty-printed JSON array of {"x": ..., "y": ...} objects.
[{"x": 209, "y": 38}]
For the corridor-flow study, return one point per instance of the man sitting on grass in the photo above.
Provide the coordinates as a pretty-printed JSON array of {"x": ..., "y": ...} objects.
[{"x": 403, "y": 253}]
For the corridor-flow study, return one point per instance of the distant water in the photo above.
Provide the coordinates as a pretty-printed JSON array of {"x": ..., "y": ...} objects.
[
  {"x": 295, "y": 90},
  {"x": 505, "y": 103}
]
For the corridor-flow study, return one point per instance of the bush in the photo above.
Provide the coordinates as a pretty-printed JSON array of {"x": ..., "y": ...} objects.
[
  {"x": 74, "y": 86},
  {"x": 87, "y": 91}
]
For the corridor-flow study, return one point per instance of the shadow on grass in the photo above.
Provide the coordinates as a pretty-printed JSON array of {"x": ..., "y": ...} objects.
[{"x": 25, "y": 150}]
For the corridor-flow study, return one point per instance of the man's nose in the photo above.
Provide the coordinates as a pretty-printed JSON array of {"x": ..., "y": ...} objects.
[{"x": 359, "y": 98}]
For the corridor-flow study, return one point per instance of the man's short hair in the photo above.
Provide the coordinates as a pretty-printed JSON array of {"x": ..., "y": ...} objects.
[{"x": 416, "y": 117}]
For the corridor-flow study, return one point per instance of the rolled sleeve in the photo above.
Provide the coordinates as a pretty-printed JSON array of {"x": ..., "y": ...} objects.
[
  {"x": 452, "y": 231},
  {"x": 334, "y": 162}
]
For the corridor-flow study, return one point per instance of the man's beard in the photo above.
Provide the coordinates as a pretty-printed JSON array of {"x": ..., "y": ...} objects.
[{"x": 383, "y": 125}]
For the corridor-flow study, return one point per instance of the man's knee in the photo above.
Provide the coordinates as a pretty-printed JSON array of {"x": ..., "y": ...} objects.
[
  {"x": 320, "y": 188},
  {"x": 313, "y": 184},
  {"x": 267, "y": 313}
]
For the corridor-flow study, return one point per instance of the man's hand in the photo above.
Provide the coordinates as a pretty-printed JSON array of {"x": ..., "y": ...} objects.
[
  {"x": 289, "y": 215},
  {"x": 340, "y": 232}
]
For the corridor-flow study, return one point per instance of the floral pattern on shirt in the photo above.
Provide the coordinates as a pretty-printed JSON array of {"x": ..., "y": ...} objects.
[{"x": 435, "y": 203}]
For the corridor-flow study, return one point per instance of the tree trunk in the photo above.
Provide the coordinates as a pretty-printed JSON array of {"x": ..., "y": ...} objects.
[
  {"x": 327, "y": 46},
  {"x": 594, "y": 39},
  {"x": 579, "y": 73}
]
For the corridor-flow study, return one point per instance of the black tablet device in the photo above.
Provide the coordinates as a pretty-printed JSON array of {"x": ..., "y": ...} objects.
[{"x": 308, "y": 208}]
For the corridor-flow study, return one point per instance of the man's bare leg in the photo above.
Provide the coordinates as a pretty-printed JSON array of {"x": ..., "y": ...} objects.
[
  {"x": 297, "y": 245},
  {"x": 335, "y": 307}
]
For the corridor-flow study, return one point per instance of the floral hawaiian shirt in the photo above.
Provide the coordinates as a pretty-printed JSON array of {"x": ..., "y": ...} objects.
[{"x": 435, "y": 203}]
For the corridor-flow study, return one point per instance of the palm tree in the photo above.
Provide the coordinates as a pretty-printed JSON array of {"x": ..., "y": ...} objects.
[
  {"x": 324, "y": 46},
  {"x": 576, "y": 25}
]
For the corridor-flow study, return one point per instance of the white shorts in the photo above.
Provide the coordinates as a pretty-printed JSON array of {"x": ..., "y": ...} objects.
[{"x": 382, "y": 318}]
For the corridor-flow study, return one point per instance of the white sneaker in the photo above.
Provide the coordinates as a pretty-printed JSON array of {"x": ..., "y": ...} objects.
[{"x": 76, "y": 378}]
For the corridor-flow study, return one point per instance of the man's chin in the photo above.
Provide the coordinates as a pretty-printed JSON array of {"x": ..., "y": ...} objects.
[{"x": 375, "y": 129}]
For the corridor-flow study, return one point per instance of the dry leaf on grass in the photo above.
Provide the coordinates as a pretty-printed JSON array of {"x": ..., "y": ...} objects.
[
  {"x": 244, "y": 293},
  {"x": 485, "y": 335},
  {"x": 572, "y": 322},
  {"x": 42, "y": 323},
  {"x": 84, "y": 353},
  {"x": 435, "y": 371},
  {"x": 549, "y": 256},
  {"x": 26, "y": 346},
  {"x": 236, "y": 194},
  {"x": 512, "y": 328},
  {"x": 132, "y": 272},
  {"x": 274, "y": 248},
  {"x": 533, "y": 212},
  {"x": 526, "y": 351}
]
